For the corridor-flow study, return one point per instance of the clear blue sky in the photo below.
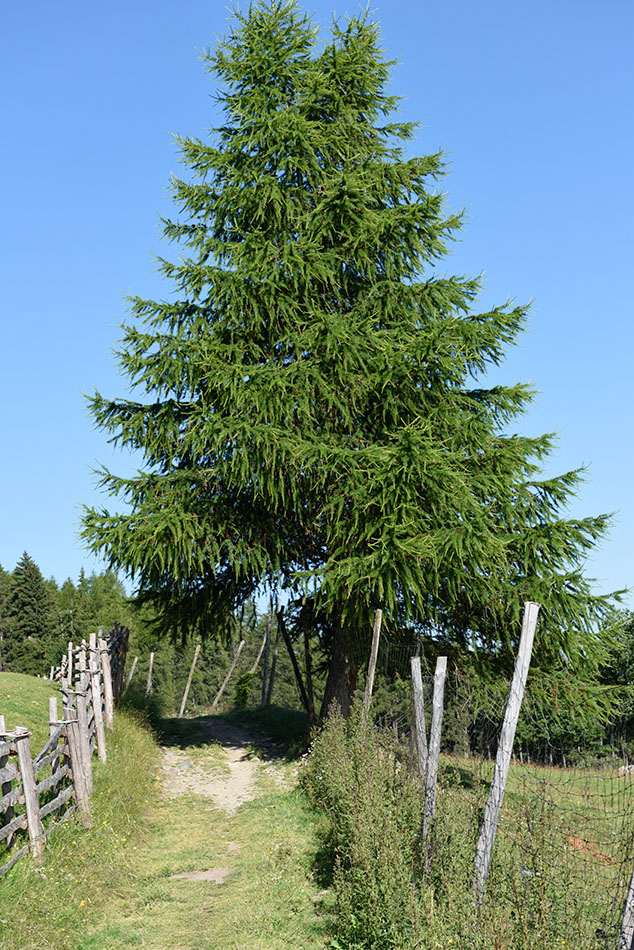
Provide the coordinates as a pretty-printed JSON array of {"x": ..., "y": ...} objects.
[{"x": 533, "y": 106}]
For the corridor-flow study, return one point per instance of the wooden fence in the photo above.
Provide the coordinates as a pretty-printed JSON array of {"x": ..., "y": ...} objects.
[{"x": 38, "y": 793}]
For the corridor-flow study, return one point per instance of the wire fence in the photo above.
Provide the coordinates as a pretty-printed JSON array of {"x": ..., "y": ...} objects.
[{"x": 564, "y": 848}]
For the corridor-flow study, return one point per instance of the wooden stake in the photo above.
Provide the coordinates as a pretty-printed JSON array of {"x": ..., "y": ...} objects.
[
  {"x": 189, "y": 681},
  {"x": 134, "y": 663},
  {"x": 227, "y": 677},
  {"x": 505, "y": 750},
  {"x": 81, "y": 703},
  {"x": 70, "y": 662},
  {"x": 77, "y": 765},
  {"x": 97, "y": 699},
  {"x": 419, "y": 716},
  {"x": 5, "y": 788},
  {"x": 106, "y": 674},
  {"x": 434, "y": 745},
  {"x": 53, "y": 723},
  {"x": 148, "y": 685},
  {"x": 267, "y": 646},
  {"x": 262, "y": 646},
  {"x": 369, "y": 685},
  {"x": 31, "y": 801}
]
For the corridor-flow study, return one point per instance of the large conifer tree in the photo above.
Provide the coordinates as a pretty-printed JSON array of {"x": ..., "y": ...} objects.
[{"x": 311, "y": 411}]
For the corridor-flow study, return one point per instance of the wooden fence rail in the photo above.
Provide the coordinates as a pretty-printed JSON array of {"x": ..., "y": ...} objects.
[{"x": 39, "y": 792}]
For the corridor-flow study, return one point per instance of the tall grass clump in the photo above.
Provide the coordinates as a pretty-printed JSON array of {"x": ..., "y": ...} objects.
[
  {"x": 357, "y": 776},
  {"x": 561, "y": 862}
]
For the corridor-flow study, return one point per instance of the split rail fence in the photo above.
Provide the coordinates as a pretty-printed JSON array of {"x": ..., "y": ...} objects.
[{"x": 39, "y": 792}]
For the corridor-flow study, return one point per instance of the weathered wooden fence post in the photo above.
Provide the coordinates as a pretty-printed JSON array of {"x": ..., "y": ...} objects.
[
  {"x": 374, "y": 652},
  {"x": 76, "y": 756},
  {"x": 505, "y": 750},
  {"x": 434, "y": 745},
  {"x": 53, "y": 723},
  {"x": 419, "y": 716},
  {"x": 267, "y": 646},
  {"x": 228, "y": 676},
  {"x": 6, "y": 786},
  {"x": 189, "y": 681},
  {"x": 69, "y": 672},
  {"x": 626, "y": 937},
  {"x": 97, "y": 698},
  {"x": 81, "y": 702},
  {"x": 31, "y": 800},
  {"x": 134, "y": 663},
  {"x": 148, "y": 685},
  {"x": 106, "y": 674}
]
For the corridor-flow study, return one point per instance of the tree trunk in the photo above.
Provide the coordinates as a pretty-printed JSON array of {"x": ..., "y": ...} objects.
[{"x": 342, "y": 676}]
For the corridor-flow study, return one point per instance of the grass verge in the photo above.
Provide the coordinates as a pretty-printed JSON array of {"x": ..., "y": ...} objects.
[
  {"x": 51, "y": 908},
  {"x": 24, "y": 702}
]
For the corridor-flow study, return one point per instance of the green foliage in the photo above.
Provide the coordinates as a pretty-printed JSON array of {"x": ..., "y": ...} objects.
[
  {"x": 85, "y": 869},
  {"x": 309, "y": 399},
  {"x": 376, "y": 818},
  {"x": 30, "y": 644},
  {"x": 243, "y": 689},
  {"x": 561, "y": 862}
]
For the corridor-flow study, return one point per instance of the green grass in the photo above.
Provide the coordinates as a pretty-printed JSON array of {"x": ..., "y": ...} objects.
[
  {"x": 86, "y": 869},
  {"x": 110, "y": 886},
  {"x": 269, "y": 901},
  {"x": 24, "y": 702}
]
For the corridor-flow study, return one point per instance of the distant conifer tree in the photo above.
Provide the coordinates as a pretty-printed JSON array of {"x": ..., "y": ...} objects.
[{"x": 31, "y": 644}]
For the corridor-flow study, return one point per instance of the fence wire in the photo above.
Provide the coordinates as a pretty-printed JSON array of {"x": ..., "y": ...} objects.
[{"x": 564, "y": 849}]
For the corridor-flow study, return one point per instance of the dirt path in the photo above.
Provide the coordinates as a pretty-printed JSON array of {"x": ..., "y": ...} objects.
[
  {"x": 228, "y": 858},
  {"x": 227, "y": 787}
]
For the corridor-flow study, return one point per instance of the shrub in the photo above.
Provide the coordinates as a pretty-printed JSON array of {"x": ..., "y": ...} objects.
[{"x": 375, "y": 814}]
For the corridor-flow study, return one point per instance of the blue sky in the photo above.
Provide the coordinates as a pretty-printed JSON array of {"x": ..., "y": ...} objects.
[{"x": 532, "y": 105}]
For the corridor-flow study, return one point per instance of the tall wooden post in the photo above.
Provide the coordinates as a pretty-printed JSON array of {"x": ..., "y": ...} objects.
[
  {"x": 84, "y": 738},
  {"x": 148, "y": 685},
  {"x": 97, "y": 698},
  {"x": 419, "y": 716},
  {"x": 31, "y": 800},
  {"x": 626, "y": 937},
  {"x": 189, "y": 681},
  {"x": 53, "y": 723},
  {"x": 106, "y": 675},
  {"x": 129, "y": 680},
  {"x": 70, "y": 662},
  {"x": 227, "y": 677},
  {"x": 267, "y": 646},
  {"x": 434, "y": 745},
  {"x": 505, "y": 751},
  {"x": 374, "y": 652},
  {"x": 76, "y": 755}
]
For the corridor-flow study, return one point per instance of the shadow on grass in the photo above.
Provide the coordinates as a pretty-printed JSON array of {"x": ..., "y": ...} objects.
[{"x": 271, "y": 733}]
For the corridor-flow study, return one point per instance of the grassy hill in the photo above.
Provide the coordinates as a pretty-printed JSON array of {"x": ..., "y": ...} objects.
[{"x": 24, "y": 702}]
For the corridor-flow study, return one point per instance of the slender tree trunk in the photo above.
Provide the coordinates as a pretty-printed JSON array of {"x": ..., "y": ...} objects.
[
  {"x": 291, "y": 652},
  {"x": 342, "y": 676}
]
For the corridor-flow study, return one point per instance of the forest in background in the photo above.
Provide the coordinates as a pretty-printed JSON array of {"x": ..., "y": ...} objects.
[{"x": 565, "y": 720}]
